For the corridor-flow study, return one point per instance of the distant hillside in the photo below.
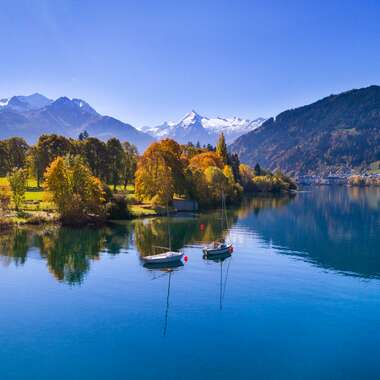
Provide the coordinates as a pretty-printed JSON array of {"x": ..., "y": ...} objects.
[
  {"x": 196, "y": 128},
  {"x": 334, "y": 134},
  {"x": 31, "y": 116}
]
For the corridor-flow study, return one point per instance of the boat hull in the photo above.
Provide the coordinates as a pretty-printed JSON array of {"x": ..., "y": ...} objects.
[
  {"x": 163, "y": 258},
  {"x": 218, "y": 251}
]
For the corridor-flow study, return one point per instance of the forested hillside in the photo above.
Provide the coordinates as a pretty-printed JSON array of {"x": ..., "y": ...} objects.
[{"x": 335, "y": 134}]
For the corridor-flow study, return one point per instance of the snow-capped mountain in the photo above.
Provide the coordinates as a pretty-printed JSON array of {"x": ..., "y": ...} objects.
[
  {"x": 31, "y": 116},
  {"x": 194, "y": 127}
]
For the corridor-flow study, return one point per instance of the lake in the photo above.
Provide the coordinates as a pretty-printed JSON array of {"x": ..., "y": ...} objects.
[{"x": 299, "y": 298}]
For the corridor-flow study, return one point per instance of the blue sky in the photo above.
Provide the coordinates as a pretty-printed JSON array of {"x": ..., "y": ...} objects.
[{"x": 149, "y": 61}]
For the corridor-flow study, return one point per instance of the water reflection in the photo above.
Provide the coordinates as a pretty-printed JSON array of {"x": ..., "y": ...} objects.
[
  {"x": 150, "y": 233},
  {"x": 223, "y": 277},
  {"x": 337, "y": 229},
  {"x": 158, "y": 271},
  {"x": 68, "y": 252}
]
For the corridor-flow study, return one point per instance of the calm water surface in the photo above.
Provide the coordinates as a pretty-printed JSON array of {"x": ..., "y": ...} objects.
[{"x": 298, "y": 299}]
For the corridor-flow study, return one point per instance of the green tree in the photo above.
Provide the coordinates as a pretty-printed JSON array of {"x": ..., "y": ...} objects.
[
  {"x": 221, "y": 149},
  {"x": 83, "y": 136},
  {"x": 3, "y": 158},
  {"x": 234, "y": 162},
  {"x": 95, "y": 153},
  {"x": 257, "y": 170},
  {"x": 115, "y": 155},
  {"x": 130, "y": 162},
  {"x": 46, "y": 150},
  {"x": 16, "y": 149},
  {"x": 17, "y": 182}
]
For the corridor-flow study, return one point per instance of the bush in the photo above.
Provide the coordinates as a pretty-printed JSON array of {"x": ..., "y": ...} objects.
[
  {"x": 5, "y": 200},
  {"x": 117, "y": 208}
]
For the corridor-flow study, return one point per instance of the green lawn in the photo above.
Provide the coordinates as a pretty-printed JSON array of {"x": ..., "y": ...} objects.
[
  {"x": 139, "y": 211},
  {"x": 374, "y": 167},
  {"x": 36, "y": 199}
]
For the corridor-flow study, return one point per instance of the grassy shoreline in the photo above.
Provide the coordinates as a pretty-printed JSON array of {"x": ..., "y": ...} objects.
[{"x": 38, "y": 209}]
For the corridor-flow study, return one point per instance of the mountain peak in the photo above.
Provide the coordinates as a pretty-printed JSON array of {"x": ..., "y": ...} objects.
[
  {"x": 84, "y": 106},
  {"x": 23, "y": 103},
  {"x": 191, "y": 118},
  {"x": 194, "y": 127}
]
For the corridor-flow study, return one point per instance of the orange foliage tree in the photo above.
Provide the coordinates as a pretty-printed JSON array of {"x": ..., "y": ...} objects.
[
  {"x": 160, "y": 173},
  {"x": 204, "y": 160}
]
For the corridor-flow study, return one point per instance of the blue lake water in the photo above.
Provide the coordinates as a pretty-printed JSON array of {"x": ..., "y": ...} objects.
[{"x": 298, "y": 299}]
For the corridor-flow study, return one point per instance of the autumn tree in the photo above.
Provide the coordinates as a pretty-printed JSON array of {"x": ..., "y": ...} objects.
[
  {"x": 77, "y": 194},
  {"x": 221, "y": 149},
  {"x": 204, "y": 160},
  {"x": 115, "y": 157},
  {"x": 17, "y": 181},
  {"x": 5, "y": 198},
  {"x": 246, "y": 176},
  {"x": 160, "y": 172},
  {"x": 217, "y": 182}
]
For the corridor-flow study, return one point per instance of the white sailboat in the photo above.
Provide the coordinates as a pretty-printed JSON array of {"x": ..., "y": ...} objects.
[
  {"x": 170, "y": 256},
  {"x": 220, "y": 247},
  {"x": 164, "y": 258}
]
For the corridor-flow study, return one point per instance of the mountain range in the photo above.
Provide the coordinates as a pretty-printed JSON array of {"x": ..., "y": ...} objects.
[
  {"x": 333, "y": 135},
  {"x": 196, "y": 128},
  {"x": 31, "y": 116}
]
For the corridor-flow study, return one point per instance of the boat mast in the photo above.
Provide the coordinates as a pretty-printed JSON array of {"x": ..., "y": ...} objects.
[
  {"x": 167, "y": 304},
  {"x": 169, "y": 235}
]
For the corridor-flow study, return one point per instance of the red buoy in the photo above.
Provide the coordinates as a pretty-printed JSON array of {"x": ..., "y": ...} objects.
[{"x": 185, "y": 259}]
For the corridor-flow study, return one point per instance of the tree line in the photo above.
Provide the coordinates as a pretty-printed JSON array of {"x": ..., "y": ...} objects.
[
  {"x": 168, "y": 169},
  {"x": 80, "y": 174},
  {"x": 113, "y": 162}
]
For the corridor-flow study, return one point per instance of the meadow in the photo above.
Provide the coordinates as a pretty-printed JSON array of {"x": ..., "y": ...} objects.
[{"x": 37, "y": 200}]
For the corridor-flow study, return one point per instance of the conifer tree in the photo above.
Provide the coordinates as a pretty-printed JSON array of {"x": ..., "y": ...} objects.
[{"x": 221, "y": 149}]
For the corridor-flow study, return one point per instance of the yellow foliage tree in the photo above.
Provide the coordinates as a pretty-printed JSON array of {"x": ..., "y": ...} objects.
[
  {"x": 217, "y": 182},
  {"x": 78, "y": 195},
  {"x": 246, "y": 176},
  {"x": 17, "y": 181}
]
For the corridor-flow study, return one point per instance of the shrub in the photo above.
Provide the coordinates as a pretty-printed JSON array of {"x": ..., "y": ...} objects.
[
  {"x": 117, "y": 207},
  {"x": 5, "y": 200}
]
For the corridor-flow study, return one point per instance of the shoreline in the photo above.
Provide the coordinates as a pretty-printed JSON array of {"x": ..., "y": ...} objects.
[{"x": 46, "y": 218}]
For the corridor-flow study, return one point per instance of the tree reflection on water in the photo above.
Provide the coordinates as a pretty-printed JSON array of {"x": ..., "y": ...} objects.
[{"x": 69, "y": 252}]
